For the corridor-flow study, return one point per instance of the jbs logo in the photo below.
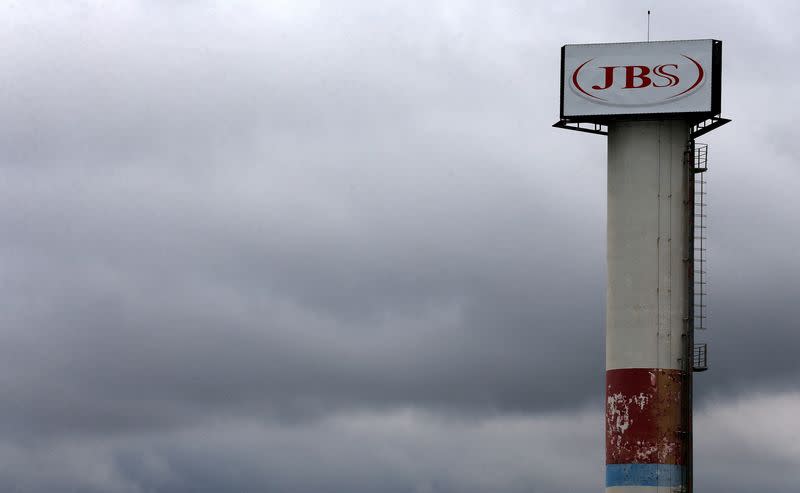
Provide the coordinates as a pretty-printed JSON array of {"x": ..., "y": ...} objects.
[
  {"x": 637, "y": 84},
  {"x": 638, "y": 76}
]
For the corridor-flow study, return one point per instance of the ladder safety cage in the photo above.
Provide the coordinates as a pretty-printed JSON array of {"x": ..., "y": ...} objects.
[{"x": 700, "y": 156}]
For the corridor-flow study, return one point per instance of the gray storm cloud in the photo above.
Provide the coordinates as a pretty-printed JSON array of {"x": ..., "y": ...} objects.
[{"x": 234, "y": 232}]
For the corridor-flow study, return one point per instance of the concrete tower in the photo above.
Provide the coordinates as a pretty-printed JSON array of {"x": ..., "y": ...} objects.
[
  {"x": 648, "y": 367},
  {"x": 651, "y": 100}
]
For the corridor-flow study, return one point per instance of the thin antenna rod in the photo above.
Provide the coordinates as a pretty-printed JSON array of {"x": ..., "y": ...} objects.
[{"x": 648, "y": 25}]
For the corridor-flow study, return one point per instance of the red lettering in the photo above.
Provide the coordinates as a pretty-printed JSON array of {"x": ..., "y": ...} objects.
[
  {"x": 672, "y": 79},
  {"x": 609, "y": 79},
  {"x": 642, "y": 76},
  {"x": 636, "y": 77}
]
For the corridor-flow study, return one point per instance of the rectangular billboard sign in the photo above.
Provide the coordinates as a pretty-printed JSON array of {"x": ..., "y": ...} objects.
[{"x": 656, "y": 78}]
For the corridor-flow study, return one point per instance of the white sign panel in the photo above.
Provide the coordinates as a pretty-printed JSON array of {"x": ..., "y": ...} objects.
[{"x": 640, "y": 78}]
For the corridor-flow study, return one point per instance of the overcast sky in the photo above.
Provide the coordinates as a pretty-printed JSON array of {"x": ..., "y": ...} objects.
[{"x": 287, "y": 247}]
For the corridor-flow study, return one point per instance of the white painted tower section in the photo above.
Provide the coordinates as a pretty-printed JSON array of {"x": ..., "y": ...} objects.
[{"x": 647, "y": 279}]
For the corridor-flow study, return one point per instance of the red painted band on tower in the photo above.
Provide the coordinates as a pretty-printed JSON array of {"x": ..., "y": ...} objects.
[{"x": 644, "y": 421}]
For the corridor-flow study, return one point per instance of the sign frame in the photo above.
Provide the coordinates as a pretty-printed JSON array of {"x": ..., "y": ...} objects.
[{"x": 715, "y": 81}]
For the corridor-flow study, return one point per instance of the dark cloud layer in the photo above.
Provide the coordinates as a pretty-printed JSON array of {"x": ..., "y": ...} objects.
[{"x": 237, "y": 231}]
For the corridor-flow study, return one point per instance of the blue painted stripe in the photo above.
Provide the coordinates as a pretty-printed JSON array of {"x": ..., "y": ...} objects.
[{"x": 643, "y": 475}]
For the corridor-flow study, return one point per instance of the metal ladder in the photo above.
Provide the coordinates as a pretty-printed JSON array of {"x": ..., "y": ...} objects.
[{"x": 700, "y": 156}]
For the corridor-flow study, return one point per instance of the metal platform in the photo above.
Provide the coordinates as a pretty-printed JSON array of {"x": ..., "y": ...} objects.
[
  {"x": 697, "y": 129},
  {"x": 700, "y": 357}
]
